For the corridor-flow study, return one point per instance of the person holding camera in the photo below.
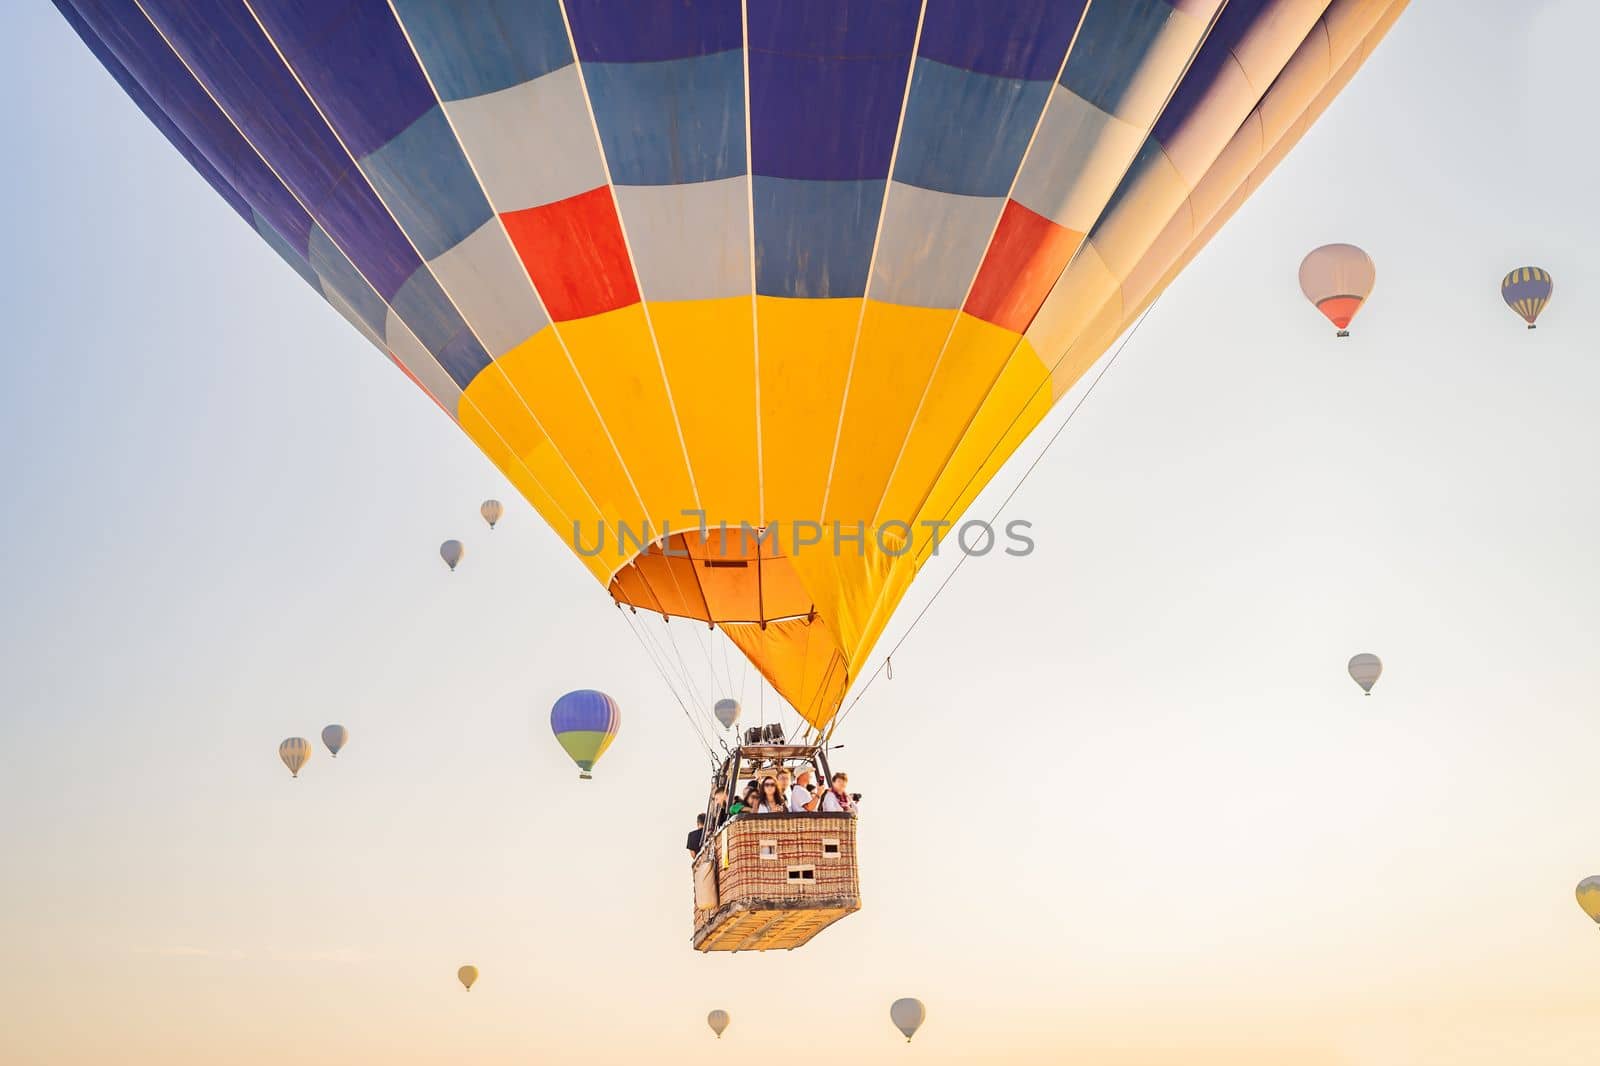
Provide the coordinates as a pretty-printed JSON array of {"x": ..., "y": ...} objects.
[{"x": 803, "y": 799}]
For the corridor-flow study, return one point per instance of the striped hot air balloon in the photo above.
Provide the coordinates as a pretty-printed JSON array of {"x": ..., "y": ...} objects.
[
  {"x": 1526, "y": 290},
  {"x": 294, "y": 752},
  {"x": 775, "y": 263},
  {"x": 585, "y": 722}
]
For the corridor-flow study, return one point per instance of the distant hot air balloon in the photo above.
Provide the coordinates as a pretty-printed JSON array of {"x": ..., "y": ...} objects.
[
  {"x": 451, "y": 552},
  {"x": 1589, "y": 897},
  {"x": 907, "y": 1015},
  {"x": 491, "y": 511},
  {"x": 1365, "y": 669},
  {"x": 1526, "y": 290},
  {"x": 718, "y": 1020},
  {"x": 467, "y": 975},
  {"x": 1338, "y": 278},
  {"x": 335, "y": 737},
  {"x": 294, "y": 752},
  {"x": 727, "y": 712},
  {"x": 585, "y": 722}
]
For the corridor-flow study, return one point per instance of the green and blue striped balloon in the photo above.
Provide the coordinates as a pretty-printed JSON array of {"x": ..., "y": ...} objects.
[{"x": 585, "y": 722}]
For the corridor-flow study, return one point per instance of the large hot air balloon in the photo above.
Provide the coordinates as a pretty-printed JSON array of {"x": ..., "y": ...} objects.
[
  {"x": 907, "y": 1015},
  {"x": 1589, "y": 897},
  {"x": 655, "y": 283},
  {"x": 294, "y": 752},
  {"x": 585, "y": 722},
  {"x": 467, "y": 975},
  {"x": 1338, "y": 278},
  {"x": 718, "y": 1020},
  {"x": 1365, "y": 669},
  {"x": 451, "y": 552},
  {"x": 727, "y": 712},
  {"x": 1526, "y": 290},
  {"x": 491, "y": 511},
  {"x": 335, "y": 737}
]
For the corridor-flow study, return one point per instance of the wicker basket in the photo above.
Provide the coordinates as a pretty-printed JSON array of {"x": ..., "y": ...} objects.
[{"x": 779, "y": 880}]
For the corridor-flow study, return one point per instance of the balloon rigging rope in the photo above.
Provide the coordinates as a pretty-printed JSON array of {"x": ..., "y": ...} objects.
[
  {"x": 659, "y": 659},
  {"x": 681, "y": 679},
  {"x": 1109, "y": 363},
  {"x": 651, "y": 654}
]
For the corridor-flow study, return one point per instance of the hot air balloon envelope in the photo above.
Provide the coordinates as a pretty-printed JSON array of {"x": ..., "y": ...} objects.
[
  {"x": 1589, "y": 897},
  {"x": 491, "y": 511},
  {"x": 647, "y": 276},
  {"x": 294, "y": 752},
  {"x": 1365, "y": 670},
  {"x": 718, "y": 1020},
  {"x": 907, "y": 1015},
  {"x": 451, "y": 552},
  {"x": 1526, "y": 290},
  {"x": 335, "y": 737},
  {"x": 467, "y": 975},
  {"x": 1338, "y": 278},
  {"x": 727, "y": 712},
  {"x": 585, "y": 722}
]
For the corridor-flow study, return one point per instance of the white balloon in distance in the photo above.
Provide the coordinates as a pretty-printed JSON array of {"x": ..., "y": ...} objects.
[
  {"x": 1365, "y": 669},
  {"x": 727, "y": 712},
  {"x": 451, "y": 552},
  {"x": 491, "y": 511},
  {"x": 907, "y": 1015},
  {"x": 335, "y": 737}
]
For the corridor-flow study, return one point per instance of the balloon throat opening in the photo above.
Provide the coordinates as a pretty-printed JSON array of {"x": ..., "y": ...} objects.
[{"x": 714, "y": 576}]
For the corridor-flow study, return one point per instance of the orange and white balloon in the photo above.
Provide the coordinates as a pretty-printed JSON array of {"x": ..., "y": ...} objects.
[{"x": 1337, "y": 279}]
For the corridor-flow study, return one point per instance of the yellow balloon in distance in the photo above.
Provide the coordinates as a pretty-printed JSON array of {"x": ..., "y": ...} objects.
[{"x": 1589, "y": 897}]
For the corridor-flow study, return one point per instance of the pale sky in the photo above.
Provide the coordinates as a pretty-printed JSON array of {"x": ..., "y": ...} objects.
[{"x": 1124, "y": 807}]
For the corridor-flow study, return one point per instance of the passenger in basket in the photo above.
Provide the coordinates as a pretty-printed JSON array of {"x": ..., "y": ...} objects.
[
  {"x": 698, "y": 835},
  {"x": 802, "y": 797},
  {"x": 719, "y": 806},
  {"x": 772, "y": 799},
  {"x": 837, "y": 799},
  {"x": 745, "y": 803},
  {"x": 785, "y": 779}
]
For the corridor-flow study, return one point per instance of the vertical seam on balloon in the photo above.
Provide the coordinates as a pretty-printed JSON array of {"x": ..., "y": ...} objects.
[
  {"x": 633, "y": 266},
  {"x": 360, "y": 273},
  {"x": 872, "y": 261},
  {"x": 1216, "y": 16},
  {"x": 354, "y": 162},
  {"x": 755, "y": 306},
  {"x": 927, "y": 387},
  {"x": 920, "y": 558},
  {"x": 555, "y": 329}
]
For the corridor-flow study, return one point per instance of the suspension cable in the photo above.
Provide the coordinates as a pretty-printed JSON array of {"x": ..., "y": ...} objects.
[
  {"x": 694, "y": 726},
  {"x": 1109, "y": 363}
]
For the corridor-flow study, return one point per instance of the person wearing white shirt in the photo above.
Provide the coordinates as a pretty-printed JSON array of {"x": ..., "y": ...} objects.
[
  {"x": 802, "y": 798},
  {"x": 836, "y": 800}
]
